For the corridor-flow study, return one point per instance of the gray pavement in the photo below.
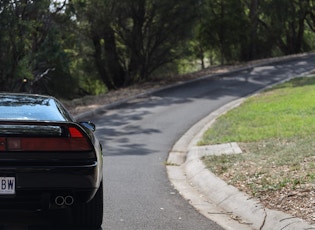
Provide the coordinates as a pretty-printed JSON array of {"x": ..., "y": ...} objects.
[{"x": 210, "y": 195}]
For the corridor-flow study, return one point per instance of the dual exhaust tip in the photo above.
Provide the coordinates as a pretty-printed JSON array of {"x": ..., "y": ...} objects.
[{"x": 64, "y": 200}]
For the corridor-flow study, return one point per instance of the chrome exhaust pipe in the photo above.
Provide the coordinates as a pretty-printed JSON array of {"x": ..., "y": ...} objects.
[
  {"x": 69, "y": 200},
  {"x": 59, "y": 200}
]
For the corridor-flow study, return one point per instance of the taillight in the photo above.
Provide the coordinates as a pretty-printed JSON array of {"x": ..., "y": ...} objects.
[
  {"x": 75, "y": 141},
  {"x": 75, "y": 133}
]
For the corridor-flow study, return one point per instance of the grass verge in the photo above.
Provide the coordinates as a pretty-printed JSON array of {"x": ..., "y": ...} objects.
[{"x": 276, "y": 131}]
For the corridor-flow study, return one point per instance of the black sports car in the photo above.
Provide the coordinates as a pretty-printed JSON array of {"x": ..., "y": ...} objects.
[{"x": 48, "y": 160}]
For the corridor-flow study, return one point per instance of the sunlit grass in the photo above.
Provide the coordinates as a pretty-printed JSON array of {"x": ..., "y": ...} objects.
[
  {"x": 285, "y": 111},
  {"x": 276, "y": 131}
]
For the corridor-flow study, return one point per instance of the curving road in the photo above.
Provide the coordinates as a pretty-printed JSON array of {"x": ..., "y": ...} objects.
[
  {"x": 137, "y": 137},
  {"x": 139, "y": 134}
]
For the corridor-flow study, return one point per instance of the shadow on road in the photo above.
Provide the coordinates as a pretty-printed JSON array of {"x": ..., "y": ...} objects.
[
  {"x": 117, "y": 127},
  {"x": 37, "y": 220}
]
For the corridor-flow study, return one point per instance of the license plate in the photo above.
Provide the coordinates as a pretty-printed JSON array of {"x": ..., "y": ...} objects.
[{"x": 7, "y": 185}]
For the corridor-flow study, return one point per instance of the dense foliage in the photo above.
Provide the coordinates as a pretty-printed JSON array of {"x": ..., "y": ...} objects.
[{"x": 69, "y": 48}]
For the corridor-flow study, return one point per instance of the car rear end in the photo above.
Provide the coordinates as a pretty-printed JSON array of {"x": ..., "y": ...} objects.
[{"x": 47, "y": 164}]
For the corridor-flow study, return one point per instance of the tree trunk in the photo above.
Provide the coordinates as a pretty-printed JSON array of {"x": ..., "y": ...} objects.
[
  {"x": 114, "y": 69},
  {"x": 100, "y": 64},
  {"x": 253, "y": 29}
]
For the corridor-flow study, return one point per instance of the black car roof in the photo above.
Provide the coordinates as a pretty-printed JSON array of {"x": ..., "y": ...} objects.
[{"x": 15, "y": 106}]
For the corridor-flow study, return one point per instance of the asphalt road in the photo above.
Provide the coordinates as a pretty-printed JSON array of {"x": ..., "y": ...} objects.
[
  {"x": 139, "y": 134},
  {"x": 137, "y": 137}
]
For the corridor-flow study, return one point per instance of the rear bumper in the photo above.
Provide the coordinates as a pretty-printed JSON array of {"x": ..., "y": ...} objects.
[
  {"x": 44, "y": 199},
  {"x": 38, "y": 186},
  {"x": 83, "y": 176}
]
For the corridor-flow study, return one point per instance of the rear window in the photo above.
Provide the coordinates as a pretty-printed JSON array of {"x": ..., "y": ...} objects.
[{"x": 24, "y": 107}]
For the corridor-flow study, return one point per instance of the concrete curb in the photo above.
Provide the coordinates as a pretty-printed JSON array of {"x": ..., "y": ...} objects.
[
  {"x": 240, "y": 205},
  {"x": 236, "y": 209}
]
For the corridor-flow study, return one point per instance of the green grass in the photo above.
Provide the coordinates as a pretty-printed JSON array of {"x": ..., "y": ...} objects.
[
  {"x": 276, "y": 131},
  {"x": 284, "y": 111}
]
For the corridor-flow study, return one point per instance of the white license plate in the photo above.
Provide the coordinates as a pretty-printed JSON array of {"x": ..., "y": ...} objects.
[{"x": 7, "y": 185}]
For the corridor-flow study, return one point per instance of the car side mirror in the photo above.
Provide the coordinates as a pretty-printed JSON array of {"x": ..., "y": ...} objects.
[{"x": 88, "y": 124}]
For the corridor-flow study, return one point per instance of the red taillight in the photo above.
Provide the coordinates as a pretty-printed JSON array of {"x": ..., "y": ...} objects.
[
  {"x": 74, "y": 132},
  {"x": 76, "y": 141}
]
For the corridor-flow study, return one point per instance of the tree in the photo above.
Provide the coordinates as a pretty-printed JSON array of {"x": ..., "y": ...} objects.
[
  {"x": 132, "y": 39},
  {"x": 285, "y": 23},
  {"x": 242, "y": 30},
  {"x": 224, "y": 28},
  {"x": 32, "y": 58}
]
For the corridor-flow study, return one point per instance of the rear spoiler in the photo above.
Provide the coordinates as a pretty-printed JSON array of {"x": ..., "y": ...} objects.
[
  {"x": 35, "y": 128},
  {"x": 43, "y": 136}
]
